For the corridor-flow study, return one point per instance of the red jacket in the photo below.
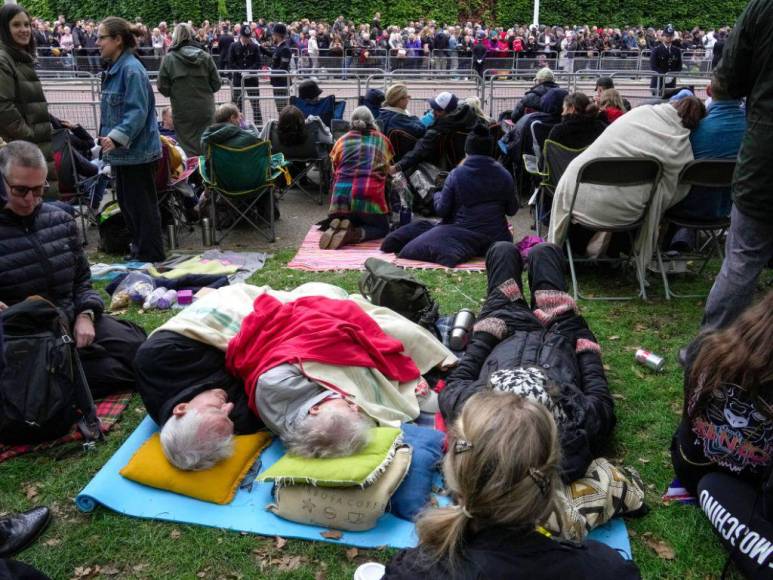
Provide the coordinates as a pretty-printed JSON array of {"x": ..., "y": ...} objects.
[{"x": 336, "y": 332}]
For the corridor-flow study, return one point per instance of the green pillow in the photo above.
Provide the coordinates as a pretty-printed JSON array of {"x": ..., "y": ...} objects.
[{"x": 361, "y": 469}]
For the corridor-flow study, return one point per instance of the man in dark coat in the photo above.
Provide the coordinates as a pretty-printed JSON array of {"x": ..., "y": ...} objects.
[
  {"x": 746, "y": 70},
  {"x": 244, "y": 54},
  {"x": 41, "y": 255},
  {"x": 281, "y": 57},
  {"x": 665, "y": 58},
  {"x": 531, "y": 100},
  {"x": 450, "y": 118},
  {"x": 224, "y": 42},
  {"x": 544, "y": 352}
]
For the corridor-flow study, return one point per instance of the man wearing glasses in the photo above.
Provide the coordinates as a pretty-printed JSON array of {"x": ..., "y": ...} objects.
[{"x": 41, "y": 255}]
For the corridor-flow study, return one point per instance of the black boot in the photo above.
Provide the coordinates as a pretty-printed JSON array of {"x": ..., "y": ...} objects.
[{"x": 18, "y": 531}]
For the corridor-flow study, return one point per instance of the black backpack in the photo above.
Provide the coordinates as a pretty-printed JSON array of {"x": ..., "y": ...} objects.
[
  {"x": 114, "y": 237},
  {"x": 43, "y": 391},
  {"x": 385, "y": 284}
]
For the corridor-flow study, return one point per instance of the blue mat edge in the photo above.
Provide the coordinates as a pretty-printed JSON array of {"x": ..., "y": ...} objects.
[{"x": 613, "y": 533}]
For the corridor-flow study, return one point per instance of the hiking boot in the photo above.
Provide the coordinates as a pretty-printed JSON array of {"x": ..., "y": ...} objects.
[
  {"x": 346, "y": 235},
  {"x": 327, "y": 235}
]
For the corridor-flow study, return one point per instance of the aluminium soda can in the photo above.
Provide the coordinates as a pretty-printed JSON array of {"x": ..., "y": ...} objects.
[{"x": 650, "y": 359}]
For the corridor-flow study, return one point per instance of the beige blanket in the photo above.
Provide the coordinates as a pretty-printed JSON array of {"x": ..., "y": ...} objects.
[{"x": 650, "y": 130}]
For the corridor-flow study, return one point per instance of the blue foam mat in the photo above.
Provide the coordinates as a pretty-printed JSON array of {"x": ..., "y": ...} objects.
[{"x": 247, "y": 513}]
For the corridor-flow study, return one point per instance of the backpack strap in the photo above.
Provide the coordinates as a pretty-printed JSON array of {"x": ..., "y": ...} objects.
[{"x": 89, "y": 424}]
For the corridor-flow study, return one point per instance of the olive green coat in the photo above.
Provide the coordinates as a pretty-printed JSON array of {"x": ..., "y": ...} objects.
[
  {"x": 23, "y": 106},
  {"x": 189, "y": 77}
]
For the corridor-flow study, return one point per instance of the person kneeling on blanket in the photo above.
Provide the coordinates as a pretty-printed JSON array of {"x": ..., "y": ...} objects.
[
  {"x": 504, "y": 494},
  {"x": 317, "y": 369},
  {"x": 547, "y": 354}
]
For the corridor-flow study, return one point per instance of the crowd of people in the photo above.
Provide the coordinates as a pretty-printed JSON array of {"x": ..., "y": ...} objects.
[
  {"x": 469, "y": 42},
  {"x": 240, "y": 359}
]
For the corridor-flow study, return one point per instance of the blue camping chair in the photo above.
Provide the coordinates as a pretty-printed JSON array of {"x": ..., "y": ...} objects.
[{"x": 326, "y": 109}]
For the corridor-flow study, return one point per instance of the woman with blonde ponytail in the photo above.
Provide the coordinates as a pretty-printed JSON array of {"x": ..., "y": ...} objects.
[{"x": 502, "y": 471}]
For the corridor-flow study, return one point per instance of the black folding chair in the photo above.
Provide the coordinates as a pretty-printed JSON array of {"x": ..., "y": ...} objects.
[
  {"x": 708, "y": 174},
  {"x": 402, "y": 142},
  {"x": 616, "y": 172},
  {"x": 555, "y": 159}
]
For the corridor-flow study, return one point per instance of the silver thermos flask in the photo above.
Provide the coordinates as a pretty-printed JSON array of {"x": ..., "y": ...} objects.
[
  {"x": 461, "y": 329},
  {"x": 206, "y": 232},
  {"x": 172, "y": 235}
]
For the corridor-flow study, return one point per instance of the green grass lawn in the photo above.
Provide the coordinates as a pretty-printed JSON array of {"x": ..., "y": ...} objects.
[{"x": 106, "y": 544}]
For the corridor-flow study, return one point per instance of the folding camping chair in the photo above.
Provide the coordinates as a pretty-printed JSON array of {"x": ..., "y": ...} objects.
[
  {"x": 402, "y": 142},
  {"x": 555, "y": 159},
  {"x": 170, "y": 197},
  {"x": 703, "y": 173},
  {"x": 326, "y": 108},
  {"x": 240, "y": 177},
  {"x": 339, "y": 128},
  {"x": 305, "y": 157},
  {"x": 620, "y": 172},
  {"x": 71, "y": 186}
]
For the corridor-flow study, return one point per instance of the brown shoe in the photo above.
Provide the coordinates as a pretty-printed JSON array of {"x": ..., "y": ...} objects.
[
  {"x": 344, "y": 237},
  {"x": 327, "y": 235}
]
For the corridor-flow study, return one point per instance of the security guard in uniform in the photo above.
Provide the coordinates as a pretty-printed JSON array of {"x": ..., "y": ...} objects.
[
  {"x": 280, "y": 62},
  {"x": 665, "y": 58}
]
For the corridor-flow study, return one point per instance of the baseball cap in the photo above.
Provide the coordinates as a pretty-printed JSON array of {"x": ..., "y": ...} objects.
[{"x": 444, "y": 101}]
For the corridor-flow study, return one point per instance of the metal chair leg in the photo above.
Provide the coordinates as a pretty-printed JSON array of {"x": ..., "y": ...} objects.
[
  {"x": 666, "y": 287},
  {"x": 569, "y": 257}
]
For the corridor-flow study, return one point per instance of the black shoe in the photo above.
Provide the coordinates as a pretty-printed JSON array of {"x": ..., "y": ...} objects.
[{"x": 18, "y": 531}]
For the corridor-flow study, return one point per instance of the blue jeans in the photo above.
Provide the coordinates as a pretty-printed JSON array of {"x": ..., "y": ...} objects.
[{"x": 749, "y": 247}]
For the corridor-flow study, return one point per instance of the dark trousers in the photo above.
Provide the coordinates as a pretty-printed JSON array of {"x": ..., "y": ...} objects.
[
  {"x": 252, "y": 89},
  {"x": 735, "y": 510},
  {"x": 108, "y": 362},
  {"x": 135, "y": 187},
  {"x": 446, "y": 244}
]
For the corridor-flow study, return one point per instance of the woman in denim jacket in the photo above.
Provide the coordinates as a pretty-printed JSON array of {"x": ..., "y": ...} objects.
[{"x": 129, "y": 137}]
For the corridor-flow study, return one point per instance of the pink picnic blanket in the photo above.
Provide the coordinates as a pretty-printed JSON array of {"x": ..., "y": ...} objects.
[{"x": 311, "y": 259}]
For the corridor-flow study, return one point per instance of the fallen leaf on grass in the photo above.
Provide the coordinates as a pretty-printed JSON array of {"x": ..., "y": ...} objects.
[
  {"x": 320, "y": 575},
  {"x": 52, "y": 542},
  {"x": 31, "y": 490},
  {"x": 110, "y": 571},
  {"x": 643, "y": 460},
  {"x": 331, "y": 534},
  {"x": 663, "y": 550},
  {"x": 82, "y": 571},
  {"x": 618, "y": 396},
  {"x": 289, "y": 563},
  {"x": 615, "y": 337},
  {"x": 607, "y": 368},
  {"x": 140, "y": 567},
  {"x": 351, "y": 554},
  {"x": 175, "y": 534},
  {"x": 280, "y": 542}
]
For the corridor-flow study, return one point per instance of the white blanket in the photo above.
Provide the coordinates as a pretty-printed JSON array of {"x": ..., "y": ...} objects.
[{"x": 652, "y": 130}]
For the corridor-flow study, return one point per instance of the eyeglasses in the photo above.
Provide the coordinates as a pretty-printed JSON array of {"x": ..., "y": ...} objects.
[{"x": 22, "y": 190}]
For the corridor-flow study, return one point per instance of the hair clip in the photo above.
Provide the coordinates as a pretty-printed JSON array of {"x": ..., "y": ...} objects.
[
  {"x": 543, "y": 483},
  {"x": 462, "y": 445}
]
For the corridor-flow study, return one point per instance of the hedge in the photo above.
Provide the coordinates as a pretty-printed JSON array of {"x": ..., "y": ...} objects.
[{"x": 684, "y": 14}]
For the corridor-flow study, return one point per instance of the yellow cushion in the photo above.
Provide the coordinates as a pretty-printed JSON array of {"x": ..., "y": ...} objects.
[{"x": 218, "y": 484}]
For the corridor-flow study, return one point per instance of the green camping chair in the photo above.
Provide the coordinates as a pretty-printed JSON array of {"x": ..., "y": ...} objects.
[{"x": 241, "y": 177}]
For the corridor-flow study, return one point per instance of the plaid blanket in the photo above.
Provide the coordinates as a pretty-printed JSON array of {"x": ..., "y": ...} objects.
[{"x": 109, "y": 410}]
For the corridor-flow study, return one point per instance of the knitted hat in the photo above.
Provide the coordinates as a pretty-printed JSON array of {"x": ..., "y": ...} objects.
[
  {"x": 544, "y": 75},
  {"x": 395, "y": 93},
  {"x": 309, "y": 90},
  {"x": 374, "y": 97},
  {"x": 479, "y": 141}
]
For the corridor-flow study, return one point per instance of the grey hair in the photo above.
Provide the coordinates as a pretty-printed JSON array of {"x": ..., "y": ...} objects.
[
  {"x": 330, "y": 433},
  {"x": 362, "y": 120},
  {"x": 182, "y": 34},
  {"x": 188, "y": 449},
  {"x": 23, "y": 154}
]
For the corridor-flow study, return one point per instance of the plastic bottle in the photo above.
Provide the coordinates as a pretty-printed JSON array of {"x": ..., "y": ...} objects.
[{"x": 167, "y": 300}]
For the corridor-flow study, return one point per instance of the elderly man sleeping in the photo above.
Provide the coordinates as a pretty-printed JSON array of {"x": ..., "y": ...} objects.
[{"x": 316, "y": 366}]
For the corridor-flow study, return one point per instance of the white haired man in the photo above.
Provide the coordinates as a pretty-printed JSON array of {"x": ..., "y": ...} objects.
[{"x": 318, "y": 408}]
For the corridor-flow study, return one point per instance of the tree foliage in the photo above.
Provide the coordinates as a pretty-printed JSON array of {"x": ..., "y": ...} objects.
[{"x": 685, "y": 14}]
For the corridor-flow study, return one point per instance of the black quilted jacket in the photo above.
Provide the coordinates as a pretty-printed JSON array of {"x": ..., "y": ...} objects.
[
  {"x": 584, "y": 393},
  {"x": 41, "y": 255}
]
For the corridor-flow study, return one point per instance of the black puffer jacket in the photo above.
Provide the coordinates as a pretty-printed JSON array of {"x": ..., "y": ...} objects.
[
  {"x": 566, "y": 352},
  {"x": 463, "y": 119},
  {"x": 23, "y": 106},
  {"x": 41, "y": 255},
  {"x": 531, "y": 100}
]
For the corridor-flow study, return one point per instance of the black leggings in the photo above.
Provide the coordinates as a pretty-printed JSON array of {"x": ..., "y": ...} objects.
[{"x": 735, "y": 510}]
